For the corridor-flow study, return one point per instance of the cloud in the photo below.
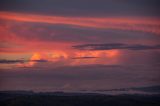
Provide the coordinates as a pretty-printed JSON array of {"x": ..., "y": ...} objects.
[
  {"x": 46, "y": 31},
  {"x": 4, "y": 61},
  {"x": 88, "y": 57},
  {"x": 41, "y": 60},
  {"x": 112, "y": 46},
  {"x": 84, "y": 7},
  {"x": 150, "y": 25}
]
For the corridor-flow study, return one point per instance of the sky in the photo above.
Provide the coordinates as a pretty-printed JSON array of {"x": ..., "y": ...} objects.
[{"x": 79, "y": 44}]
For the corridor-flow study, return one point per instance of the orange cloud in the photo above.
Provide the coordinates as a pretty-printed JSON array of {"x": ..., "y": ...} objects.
[
  {"x": 36, "y": 56},
  {"x": 59, "y": 54},
  {"x": 150, "y": 25},
  {"x": 32, "y": 60},
  {"x": 103, "y": 57}
]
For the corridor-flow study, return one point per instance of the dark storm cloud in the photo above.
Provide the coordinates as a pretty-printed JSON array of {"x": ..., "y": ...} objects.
[
  {"x": 84, "y": 7},
  {"x": 115, "y": 46}
]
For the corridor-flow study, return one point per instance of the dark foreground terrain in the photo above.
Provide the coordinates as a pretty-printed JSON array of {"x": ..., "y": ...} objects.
[{"x": 22, "y": 98}]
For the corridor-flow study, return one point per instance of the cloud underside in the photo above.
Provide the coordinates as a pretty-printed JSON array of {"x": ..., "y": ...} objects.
[{"x": 112, "y": 46}]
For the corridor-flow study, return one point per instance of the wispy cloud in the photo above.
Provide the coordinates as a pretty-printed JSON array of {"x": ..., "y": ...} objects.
[
  {"x": 119, "y": 23},
  {"x": 86, "y": 57},
  {"x": 112, "y": 46},
  {"x": 4, "y": 61}
]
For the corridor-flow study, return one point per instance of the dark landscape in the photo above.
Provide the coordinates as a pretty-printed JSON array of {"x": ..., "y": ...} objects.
[
  {"x": 150, "y": 97},
  {"x": 28, "y": 98}
]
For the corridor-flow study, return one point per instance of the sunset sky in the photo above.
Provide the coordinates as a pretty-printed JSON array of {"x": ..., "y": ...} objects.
[{"x": 79, "y": 44}]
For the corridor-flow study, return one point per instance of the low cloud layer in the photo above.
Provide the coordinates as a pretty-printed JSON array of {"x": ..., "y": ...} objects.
[{"x": 88, "y": 77}]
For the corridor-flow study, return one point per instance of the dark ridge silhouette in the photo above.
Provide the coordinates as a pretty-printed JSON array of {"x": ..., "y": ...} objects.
[{"x": 29, "y": 98}]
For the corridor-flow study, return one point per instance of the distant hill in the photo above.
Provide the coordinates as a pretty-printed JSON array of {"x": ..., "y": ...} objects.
[{"x": 28, "y": 98}]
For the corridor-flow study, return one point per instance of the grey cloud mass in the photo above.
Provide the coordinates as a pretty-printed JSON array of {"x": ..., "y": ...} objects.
[{"x": 84, "y": 7}]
